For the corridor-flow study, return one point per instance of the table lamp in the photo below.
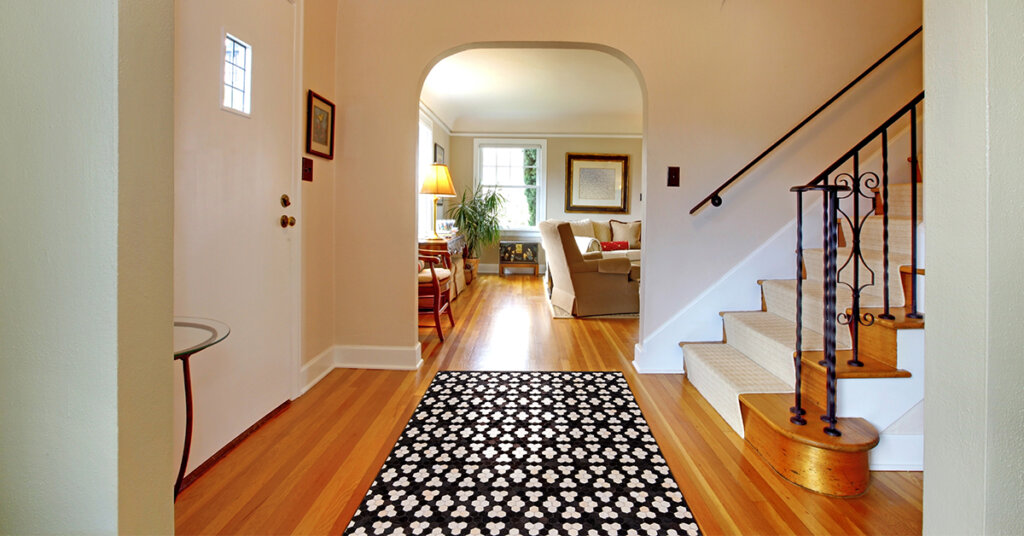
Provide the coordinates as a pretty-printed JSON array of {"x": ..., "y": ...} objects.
[{"x": 438, "y": 183}]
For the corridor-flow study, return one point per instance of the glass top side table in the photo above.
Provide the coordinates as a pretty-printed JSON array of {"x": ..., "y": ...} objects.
[{"x": 192, "y": 335}]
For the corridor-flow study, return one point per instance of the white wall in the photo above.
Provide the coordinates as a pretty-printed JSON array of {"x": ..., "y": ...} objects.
[
  {"x": 974, "y": 410},
  {"x": 84, "y": 358},
  {"x": 721, "y": 82}
]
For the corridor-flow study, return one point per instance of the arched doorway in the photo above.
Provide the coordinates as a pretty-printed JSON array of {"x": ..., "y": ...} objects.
[{"x": 506, "y": 116}]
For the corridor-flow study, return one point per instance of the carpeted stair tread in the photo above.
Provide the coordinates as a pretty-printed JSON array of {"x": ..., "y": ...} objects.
[
  {"x": 768, "y": 340},
  {"x": 721, "y": 373},
  {"x": 872, "y": 239},
  {"x": 780, "y": 298},
  {"x": 814, "y": 260},
  {"x": 899, "y": 200}
]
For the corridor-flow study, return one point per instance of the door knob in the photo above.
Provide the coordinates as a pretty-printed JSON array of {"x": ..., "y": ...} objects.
[
  {"x": 287, "y": 221},
  {"x": 286, "y": 201}
]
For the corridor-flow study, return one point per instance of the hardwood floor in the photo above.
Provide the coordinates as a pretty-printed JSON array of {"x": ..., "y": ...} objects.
[{"x": 306, "y": 471}]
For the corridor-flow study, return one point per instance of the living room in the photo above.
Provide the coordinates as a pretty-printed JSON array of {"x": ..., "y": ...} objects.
[{"x": 571, "y": 111}]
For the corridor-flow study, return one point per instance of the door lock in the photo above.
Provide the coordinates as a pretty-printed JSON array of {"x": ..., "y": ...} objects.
[
  {"x": 287, "y": 221},
  {"x": 286, "y": 201}
]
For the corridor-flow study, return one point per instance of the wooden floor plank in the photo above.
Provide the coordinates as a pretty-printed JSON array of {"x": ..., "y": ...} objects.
[{"x": 307, "y": 470}]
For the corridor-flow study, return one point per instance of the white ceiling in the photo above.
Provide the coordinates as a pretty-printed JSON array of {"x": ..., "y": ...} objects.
[{"x": 521, "y": 90}]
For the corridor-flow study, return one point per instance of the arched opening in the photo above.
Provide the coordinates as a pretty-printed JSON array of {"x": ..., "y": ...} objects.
[{"x": 557, "y": 130}]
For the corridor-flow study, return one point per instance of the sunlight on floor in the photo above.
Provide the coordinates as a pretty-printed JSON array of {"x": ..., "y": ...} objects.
[{"x": 508, "y": 341}]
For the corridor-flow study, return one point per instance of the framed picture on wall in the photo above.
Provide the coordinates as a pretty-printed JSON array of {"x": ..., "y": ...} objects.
[
  {"x": 438, "y": 154},
  {"x": 319, "y": 126},
  {"x": 597, "y": 183}
]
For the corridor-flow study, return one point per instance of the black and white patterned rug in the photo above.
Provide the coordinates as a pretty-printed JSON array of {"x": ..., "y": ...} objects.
[{"x": 525, "y": 454}]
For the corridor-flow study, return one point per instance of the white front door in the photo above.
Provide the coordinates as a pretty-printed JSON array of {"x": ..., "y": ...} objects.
[{"x": 232, "y": 259}]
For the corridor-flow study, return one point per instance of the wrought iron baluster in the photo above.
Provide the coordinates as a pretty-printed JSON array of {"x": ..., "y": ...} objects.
[
  {"x": 885, "y": 224},
  {"x": 913, "y": 215},
  {"x": 797, "y": 410},
  {"x": 831, "y": 240}
]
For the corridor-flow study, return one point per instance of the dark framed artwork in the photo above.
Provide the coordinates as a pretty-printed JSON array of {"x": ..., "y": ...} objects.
[
  {"x": 438, "y": 154},
  {"x": 597, "y": 183},
  {"x": 319, "y": 126}
]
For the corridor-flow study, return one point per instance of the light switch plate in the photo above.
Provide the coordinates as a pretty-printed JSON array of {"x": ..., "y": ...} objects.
[{"x": 307, "y": 169}]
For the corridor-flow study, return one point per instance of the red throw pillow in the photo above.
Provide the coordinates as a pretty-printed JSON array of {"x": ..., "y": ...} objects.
[{"x": 614, "y": 246}]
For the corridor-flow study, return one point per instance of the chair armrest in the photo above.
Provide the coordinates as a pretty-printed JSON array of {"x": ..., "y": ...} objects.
[
  {"x": 614, "y": 266},
  {"x": 593, "y": 256},
  {"x": 443, "y": 255}
]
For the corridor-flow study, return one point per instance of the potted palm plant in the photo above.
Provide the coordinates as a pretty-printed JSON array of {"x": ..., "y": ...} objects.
[{"x": 476, "y": 216}]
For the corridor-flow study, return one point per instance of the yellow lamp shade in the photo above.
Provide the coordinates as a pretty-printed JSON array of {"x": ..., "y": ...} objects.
[{"x": 438, "y": 182}]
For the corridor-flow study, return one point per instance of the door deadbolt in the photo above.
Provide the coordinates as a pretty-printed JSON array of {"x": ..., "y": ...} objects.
[
  {"x": 286, "y": 201},
  {"x": 287, "y": 221}
]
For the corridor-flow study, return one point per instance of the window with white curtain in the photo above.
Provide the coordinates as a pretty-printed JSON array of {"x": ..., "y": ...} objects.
[{"x": 424, "y": 159}]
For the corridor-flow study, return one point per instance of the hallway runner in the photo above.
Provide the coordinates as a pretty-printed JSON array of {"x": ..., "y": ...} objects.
[{"x": 525, "y": 454}]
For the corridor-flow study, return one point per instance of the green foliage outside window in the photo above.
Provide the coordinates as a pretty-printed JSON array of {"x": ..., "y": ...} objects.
[{"x": 530, "y": 178}]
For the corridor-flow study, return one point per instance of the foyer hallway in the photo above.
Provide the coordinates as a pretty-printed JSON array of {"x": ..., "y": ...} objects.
[{"x": 306, "y": 471}]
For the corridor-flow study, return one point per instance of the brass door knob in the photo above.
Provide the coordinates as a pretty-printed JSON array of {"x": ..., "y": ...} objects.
[{"x": 287, "y": 221}]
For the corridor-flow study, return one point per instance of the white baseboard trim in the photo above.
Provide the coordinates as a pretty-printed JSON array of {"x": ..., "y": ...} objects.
[
  {"x": 358, "y": 356},
  {"x": 643, "y": 364},
  {"x": 316, "y": 369},
  {"x": 897, "y": 452},
  {"x": 378, "y": 357}
]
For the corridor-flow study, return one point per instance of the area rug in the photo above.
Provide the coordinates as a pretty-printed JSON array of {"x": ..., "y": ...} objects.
[
  {"x": 558, "y": 312},
  {"x": 525, "y": 454}
]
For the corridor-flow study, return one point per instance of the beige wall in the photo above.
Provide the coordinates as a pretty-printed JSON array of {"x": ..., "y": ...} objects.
[
  {"x": 721, "y": 82},
  {"x": 85, "y": 376},
  {"x": 147, "y": 463},
  {"x": 317, "y": 223},
  {"x": 558, "y": 147},
  {"x": 974, "y": 411}
]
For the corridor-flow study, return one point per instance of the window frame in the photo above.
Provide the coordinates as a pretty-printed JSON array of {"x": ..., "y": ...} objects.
[
  {"x": 520, "y": 143},
  {"x": 247, "y": 91}
]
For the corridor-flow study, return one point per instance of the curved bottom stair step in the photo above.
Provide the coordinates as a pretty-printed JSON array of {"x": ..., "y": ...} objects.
[{"x": 805, "y": 455}]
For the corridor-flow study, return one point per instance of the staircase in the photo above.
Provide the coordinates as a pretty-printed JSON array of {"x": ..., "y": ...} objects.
[{"x": 749, "y": 377}]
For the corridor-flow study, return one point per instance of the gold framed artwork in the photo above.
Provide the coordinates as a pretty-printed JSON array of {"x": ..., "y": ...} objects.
[
  {"x": 319, "y": 126},
  {"x": 597, "y": 183}
]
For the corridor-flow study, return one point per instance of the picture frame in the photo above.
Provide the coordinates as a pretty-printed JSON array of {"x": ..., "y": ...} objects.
[
  {"x": 438, "y": 154},
  {"x": 319, "y": 126},
  {"x": 597, "y": 183}
]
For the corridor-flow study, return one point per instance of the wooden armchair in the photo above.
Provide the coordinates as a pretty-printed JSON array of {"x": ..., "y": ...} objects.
[{"x": 434, "y": 278}]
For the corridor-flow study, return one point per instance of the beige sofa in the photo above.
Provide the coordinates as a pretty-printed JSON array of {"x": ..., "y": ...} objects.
[
  {"x": 589, "y": 284},
  {"x": 589, "y": 235}
]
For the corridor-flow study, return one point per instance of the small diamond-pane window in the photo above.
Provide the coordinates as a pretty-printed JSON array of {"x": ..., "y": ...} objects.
[{"x": 237, "y": 74}]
